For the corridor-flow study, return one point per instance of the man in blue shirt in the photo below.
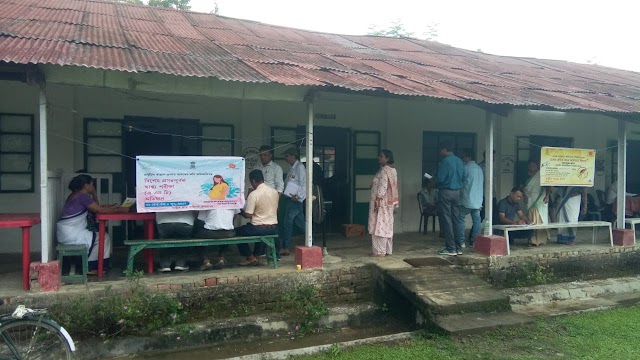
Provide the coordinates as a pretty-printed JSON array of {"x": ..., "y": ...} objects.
[
  {"x": 449, "y": 182},
  {"x": 470, "y": 198}
]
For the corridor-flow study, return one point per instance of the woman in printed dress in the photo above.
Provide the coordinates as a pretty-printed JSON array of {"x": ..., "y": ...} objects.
[
  {"x": 220, "y": 189},
  {"x": 74, "y": 226},
  {"x": 384, "y": 199}
]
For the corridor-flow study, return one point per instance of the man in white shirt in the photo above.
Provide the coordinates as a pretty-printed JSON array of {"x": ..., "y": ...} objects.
[
  {"x": 262, "y": 212},
  {"x": 218, "y": 224},
  {"x": 294, "y": 213},
  {"x": 174, "y": 225},
  {"x": 271, "y": 171}
]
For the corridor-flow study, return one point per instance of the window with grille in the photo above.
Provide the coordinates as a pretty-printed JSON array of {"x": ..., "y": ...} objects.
[
  {"x": 217, "y": 140},
  {"x": 16, "y": 153},
  {"x": 431, "y": 141}
]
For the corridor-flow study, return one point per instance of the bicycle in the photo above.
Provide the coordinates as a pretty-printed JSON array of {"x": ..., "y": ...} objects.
[{"x": 28, "y": 334}]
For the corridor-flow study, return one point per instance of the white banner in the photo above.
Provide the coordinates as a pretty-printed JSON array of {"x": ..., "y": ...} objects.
[{"x": 175, "y": 183}]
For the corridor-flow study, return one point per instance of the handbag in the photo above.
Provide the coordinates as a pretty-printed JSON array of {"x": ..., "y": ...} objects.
[{"x": 92, "y": 223}]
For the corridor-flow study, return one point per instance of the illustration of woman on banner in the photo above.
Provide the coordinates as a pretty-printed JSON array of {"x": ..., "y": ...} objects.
[{"x": 220, "y": 188}]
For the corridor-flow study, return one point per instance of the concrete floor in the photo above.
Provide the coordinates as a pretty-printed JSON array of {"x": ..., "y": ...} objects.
[{"x": 343, "y": 252}]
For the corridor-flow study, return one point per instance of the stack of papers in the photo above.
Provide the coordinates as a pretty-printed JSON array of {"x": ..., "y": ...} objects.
[{"x": 291, "y": 189}]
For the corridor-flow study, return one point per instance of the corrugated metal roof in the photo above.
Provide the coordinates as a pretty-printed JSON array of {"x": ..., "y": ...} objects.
[{"x": 107, "y": 35}]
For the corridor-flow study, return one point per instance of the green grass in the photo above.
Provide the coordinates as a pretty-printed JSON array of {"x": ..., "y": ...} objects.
[{"x": 606, "y": 335}]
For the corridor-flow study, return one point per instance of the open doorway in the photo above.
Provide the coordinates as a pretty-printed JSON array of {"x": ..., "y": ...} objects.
[
  {"x": 633, "y": 171},
  {"x": 157, "y": 137},
  {"x": 332, "y": 158}
]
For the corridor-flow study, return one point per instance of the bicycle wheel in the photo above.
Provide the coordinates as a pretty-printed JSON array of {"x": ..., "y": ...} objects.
[{"x": 33, "y": 340}]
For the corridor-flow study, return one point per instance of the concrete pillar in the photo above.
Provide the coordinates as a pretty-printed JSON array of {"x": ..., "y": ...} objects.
[
  {"x": 46, "y": 238},
  {"x": 488, "y": 180},
  {"x": 622, "y": 172}
]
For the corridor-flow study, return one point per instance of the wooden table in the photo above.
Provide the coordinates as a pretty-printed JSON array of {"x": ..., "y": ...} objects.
[
  {"x": 24, "y": 221},
  {"x": 149, "y": 221}
]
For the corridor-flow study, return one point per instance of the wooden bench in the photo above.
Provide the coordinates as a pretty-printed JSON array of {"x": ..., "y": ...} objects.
[
  {"x": 135, "y": 246},
  {"x": 592, "y": 224}
]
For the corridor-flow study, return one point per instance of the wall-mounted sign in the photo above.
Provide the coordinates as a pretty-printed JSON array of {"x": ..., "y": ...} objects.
[
  {"x": 506, "y": 164},
  {"x": 176, "y": 183},
  {"x": 567, "y": 167}
]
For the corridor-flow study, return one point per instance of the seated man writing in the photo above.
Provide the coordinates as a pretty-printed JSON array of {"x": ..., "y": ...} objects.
[
  {"x": 262, "y": 212},
  {"x": 510, "y": 212}
]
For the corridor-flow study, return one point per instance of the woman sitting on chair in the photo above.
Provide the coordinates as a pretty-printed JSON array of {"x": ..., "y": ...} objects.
[{"x": 76, "y": 226}]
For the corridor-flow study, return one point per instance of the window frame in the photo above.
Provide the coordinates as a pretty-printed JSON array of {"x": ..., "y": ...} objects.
[
  {"x": 230, "y": 141},
  {"x": 31, "y": 171},
  {"x": 457, "y": 149}
]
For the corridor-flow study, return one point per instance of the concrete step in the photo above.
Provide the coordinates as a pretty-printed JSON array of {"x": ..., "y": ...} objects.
[
  {"x": 544, "y": 294},
  {"x": 474, "y": 323},
  {"x": 445, "y": 291},
  {"x": 574, "y": 306}
]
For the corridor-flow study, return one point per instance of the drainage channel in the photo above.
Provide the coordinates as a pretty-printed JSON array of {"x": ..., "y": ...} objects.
[{"x": 291, "y": 343}]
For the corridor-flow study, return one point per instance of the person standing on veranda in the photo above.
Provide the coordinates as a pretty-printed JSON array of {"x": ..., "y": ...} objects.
[
  {"x": 294, "y": 211},
  {"x": 470, "y": 199},
  {"x": 272, "y": 172},
  {"x": 384, "y": 199},
  {"x": 537, "y": 199},
  {"x": 449, "y": 182},
  {"x": 569, "y": 211}
]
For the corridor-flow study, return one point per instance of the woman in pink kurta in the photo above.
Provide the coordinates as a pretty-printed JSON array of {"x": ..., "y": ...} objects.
[{"x": 384, "y": 199}]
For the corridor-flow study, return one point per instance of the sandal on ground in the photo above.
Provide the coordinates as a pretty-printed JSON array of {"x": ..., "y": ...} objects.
[
  {"x": 206, "y": 265},
  {"x": 92, "y": 273},
  {"x": 248, "y": 263},
  {"x": 220, "y": 264}
]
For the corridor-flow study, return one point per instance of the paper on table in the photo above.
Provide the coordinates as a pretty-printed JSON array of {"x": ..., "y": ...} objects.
[
  {"x": 291, "y": 189},
  {"x": 128, "y": 202},
  {"x": 427, "y": 176}
]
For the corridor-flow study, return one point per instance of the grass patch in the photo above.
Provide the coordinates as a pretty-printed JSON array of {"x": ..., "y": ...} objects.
[
  {"x": 599, "y": 335},
  {"x": 136, "y": 310}
]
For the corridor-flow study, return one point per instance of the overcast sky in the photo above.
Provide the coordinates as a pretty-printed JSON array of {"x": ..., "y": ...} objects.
[{"x": 603, "y": 32}]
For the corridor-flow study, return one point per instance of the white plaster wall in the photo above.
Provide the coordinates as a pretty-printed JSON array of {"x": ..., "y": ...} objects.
[
  {"x": 401, "y": 122},
  {"x": 19, "y": 98},
  {"x": 408, "y": 119}
]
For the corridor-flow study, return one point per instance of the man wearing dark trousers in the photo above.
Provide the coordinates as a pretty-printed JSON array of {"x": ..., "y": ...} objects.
[
  {"x": 449, "y": 182},
  {"x": 511, "y": 212},
  {"x": 262, "y": 212}
]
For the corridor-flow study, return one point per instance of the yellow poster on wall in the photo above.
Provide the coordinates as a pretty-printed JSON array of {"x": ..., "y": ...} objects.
[{"x": 567, "y": 167}]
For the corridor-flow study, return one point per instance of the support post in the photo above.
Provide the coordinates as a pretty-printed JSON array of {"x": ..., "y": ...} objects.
[
  {"x": 622, "y": 173},
  {"x": 309, "y": 145},
  {"x": 46, "y": 241},
  {"x": 488, "y": 176}
]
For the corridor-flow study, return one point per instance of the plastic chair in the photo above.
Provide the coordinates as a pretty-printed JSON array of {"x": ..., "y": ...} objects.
[
  {"x": 607, "y": 212},
  {"x": 73, "y": 250},
  {"x": 594, "y": 212},
  {"x": 424, "y": 215}
]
